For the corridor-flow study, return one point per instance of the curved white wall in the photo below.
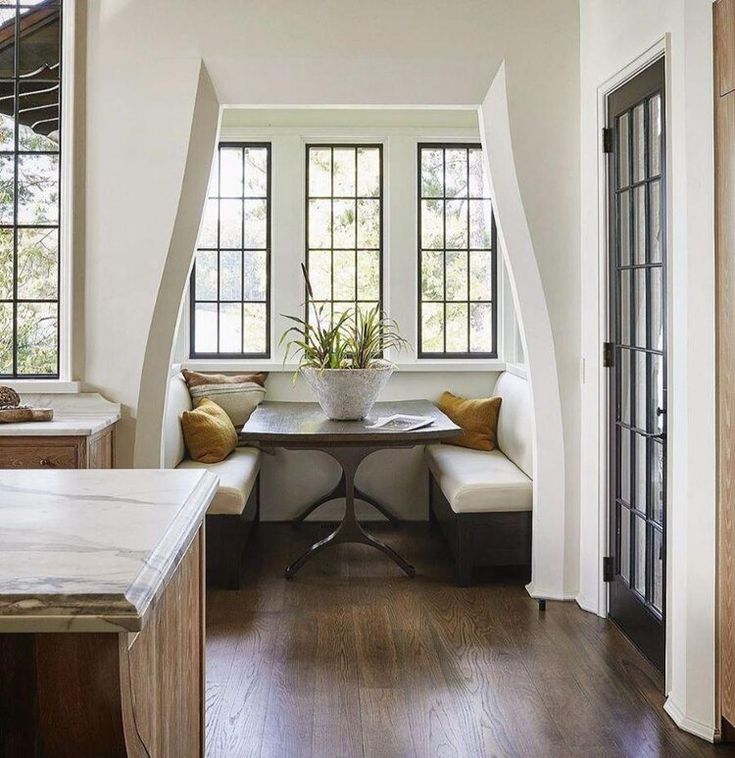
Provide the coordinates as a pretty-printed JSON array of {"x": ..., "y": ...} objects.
[
  {"x": 549, "y": 517},
  {"x": 143, "y": 75}
]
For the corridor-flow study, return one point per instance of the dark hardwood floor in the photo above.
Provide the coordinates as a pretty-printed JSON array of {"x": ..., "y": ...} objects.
[{"x": 352, "y": 658}]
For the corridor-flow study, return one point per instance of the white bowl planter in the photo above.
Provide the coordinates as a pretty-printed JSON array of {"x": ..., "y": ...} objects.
[{"x": 347, "y": 394}]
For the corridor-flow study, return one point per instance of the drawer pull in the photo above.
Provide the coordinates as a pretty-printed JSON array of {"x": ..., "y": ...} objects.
[{"x": 46, "y": 462}]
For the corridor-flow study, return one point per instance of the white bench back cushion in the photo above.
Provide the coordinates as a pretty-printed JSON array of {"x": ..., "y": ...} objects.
[
  {"x": 178, "y": 400},
  {"x": 515, "y": 423}
]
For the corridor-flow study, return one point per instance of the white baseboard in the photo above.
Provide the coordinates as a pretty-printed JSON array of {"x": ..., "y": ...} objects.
[
  {"x": 590, "y": 606},
  {"x": 697, "y": 728},
  {"x": 538, "y": 593}
]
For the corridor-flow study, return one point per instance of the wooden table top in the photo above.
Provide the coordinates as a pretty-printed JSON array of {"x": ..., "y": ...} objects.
[{"x": 284, "y": 424}]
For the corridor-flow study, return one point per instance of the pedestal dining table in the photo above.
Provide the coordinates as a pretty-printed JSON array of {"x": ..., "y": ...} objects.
[{"x": 303, "y": 426}]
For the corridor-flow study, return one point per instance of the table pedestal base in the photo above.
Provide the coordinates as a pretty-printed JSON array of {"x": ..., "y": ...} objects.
[
  {"x": 340, "y": 490},
  {"x": 349, "y": 530}
]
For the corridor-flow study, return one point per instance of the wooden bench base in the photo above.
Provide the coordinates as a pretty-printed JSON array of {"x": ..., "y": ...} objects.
[
  {"x": 482, "y": 540},
  {"x": 227, "y": 536}
]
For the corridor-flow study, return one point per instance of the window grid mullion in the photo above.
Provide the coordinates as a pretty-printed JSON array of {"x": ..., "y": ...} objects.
[
  {"x": 467, "y": 251},
  {"x": 444, "y": 242},
  {"x": 218, "y": 303},
  {"x": 16, "y": 63},
  {"x": 442, "y": 201},
  {"x": 357, "y": 225}
]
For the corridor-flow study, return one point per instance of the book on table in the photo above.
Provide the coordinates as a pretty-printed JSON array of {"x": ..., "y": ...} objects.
[{"x": 400, "y": 422}]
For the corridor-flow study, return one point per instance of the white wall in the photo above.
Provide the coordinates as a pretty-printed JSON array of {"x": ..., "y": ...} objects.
[
  {"x": 613, "y": 35},
  {"x": 142, "y": 73}
]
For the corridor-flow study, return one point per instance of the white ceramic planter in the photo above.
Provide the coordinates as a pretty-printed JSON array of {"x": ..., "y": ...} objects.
[{"x": 347, "y": 394}]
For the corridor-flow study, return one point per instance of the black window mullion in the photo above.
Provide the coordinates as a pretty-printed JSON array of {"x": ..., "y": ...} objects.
[
  {"x": 242, "y": 258},
  {"x": 469, "y": 245},
  {"x": 331, "y": 237},
  {"x": 444, "y": 242},
  {"x": 442, "y": 201},
  {"x": 357, "y": 226},
  {"x": 242, "y": 147},
  {"x": 16, "y": 64},
  {"x": 331, "y": 301}
]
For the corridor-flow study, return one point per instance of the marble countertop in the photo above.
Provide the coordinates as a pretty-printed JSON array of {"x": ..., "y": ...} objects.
[
  {"x": 78, "y": 415},
  {"x": 90, "y": 551}
]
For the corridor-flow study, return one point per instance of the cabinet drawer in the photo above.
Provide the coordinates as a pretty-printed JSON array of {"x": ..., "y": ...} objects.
[{"x": 39, "y": 456}]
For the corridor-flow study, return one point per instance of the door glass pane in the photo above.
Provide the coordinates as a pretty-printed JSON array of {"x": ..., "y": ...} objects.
[
  {"x": 624, "y": 471},
  {"x": 639, "y": 224},
  {"x": 624, "y": 546},
  {"x": 639, "y": 559},
  {"x": 655, "y": 222},
  {"x": 623, "y": 152},
  {"x": 639, "y": 143},
  {"x": 654, "y": 134},
  {"x": 624, "y": 280},
  {"x": 657, "y": 481},
  {"x": 641, "y": 473},
  {"x": 641, "y": 391},
  {"x": 658, "y": 569},
  {"x": 639, "y": 277},
  {"x": 657, "y": 333},
  {"x": 624, "y": 385},
  {"x": 657, "y": 393},
  {"x": 624, "y": 228}
]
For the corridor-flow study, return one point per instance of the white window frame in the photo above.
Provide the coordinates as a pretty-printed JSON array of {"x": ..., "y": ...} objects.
[{"x": 64, "y": 382}]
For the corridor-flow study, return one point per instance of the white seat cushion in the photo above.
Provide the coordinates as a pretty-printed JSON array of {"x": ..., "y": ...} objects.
[
  {"x": 237, "y": 474},
  {"x": 479, "y": 481}
]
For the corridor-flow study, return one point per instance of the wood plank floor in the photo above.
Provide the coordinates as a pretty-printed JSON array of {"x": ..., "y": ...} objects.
[{"x": 352, "y": 658}]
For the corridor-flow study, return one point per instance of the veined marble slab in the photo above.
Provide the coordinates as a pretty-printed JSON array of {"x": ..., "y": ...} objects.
[
  {"x": 74, "y": 416},
  {"x": 90, "y": 551}
]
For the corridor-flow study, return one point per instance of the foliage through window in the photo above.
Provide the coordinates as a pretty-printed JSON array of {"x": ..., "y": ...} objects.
[
  {"x": 230, "y": 282},
  {"x": 30, "y": 141},
  {"x": 344, "y": 227},
  {"x": 457, "y": 254}
]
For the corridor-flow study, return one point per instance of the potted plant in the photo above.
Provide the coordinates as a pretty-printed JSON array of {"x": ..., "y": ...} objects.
[{"x": 342, "y": 361}]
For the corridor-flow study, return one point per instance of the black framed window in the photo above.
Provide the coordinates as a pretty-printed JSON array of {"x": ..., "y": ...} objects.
[
  {"x": 230, "y": 281},
  {"x": 457, "y": 245},
  {"x": 30, "y": 165},
  {"x": 344, "y": 227}
]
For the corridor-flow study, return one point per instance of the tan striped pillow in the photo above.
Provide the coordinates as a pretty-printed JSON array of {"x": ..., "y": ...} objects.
[{"x": 237, "y": 394}]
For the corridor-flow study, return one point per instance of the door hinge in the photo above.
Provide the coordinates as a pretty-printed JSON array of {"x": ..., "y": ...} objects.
[
  {"x": 607, "y": 140},
  {"x": 607, "y": 569},
  {"x": 607, "y": 354}
]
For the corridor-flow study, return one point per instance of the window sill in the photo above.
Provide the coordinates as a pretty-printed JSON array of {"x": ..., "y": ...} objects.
[
  {"x": 44, "y": 386},
  {"x": 429, "y": 366}
]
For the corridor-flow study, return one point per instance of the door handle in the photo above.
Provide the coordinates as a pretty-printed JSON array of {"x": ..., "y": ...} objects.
[{"x": 660, "y": 411}]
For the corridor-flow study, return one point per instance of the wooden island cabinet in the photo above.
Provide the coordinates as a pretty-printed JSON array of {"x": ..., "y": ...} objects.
[
  {"x": 81, "y": 435},
  {"x": 724, "y": 105},
  {"x": 102, "y": 613}
]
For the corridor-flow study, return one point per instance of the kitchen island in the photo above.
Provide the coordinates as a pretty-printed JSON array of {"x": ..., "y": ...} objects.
[{"x": 102, "y": 612}]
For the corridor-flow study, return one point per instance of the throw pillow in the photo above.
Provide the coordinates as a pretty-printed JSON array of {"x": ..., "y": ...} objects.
[
  {"x": 237, "y": 394},
  {"x": 477, "y": 418},
  {"x": 209, "y": 435}
]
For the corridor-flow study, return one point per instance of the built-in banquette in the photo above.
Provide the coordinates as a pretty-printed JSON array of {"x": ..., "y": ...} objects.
[
  {"x": 483, "y": 500},
  {"x": 234, "y": 509}
]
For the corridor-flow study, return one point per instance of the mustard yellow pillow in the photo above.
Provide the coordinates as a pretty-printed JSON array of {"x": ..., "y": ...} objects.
[
  {"x": 209, "y": 434},
  {"x": 477, "y": 418}
]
